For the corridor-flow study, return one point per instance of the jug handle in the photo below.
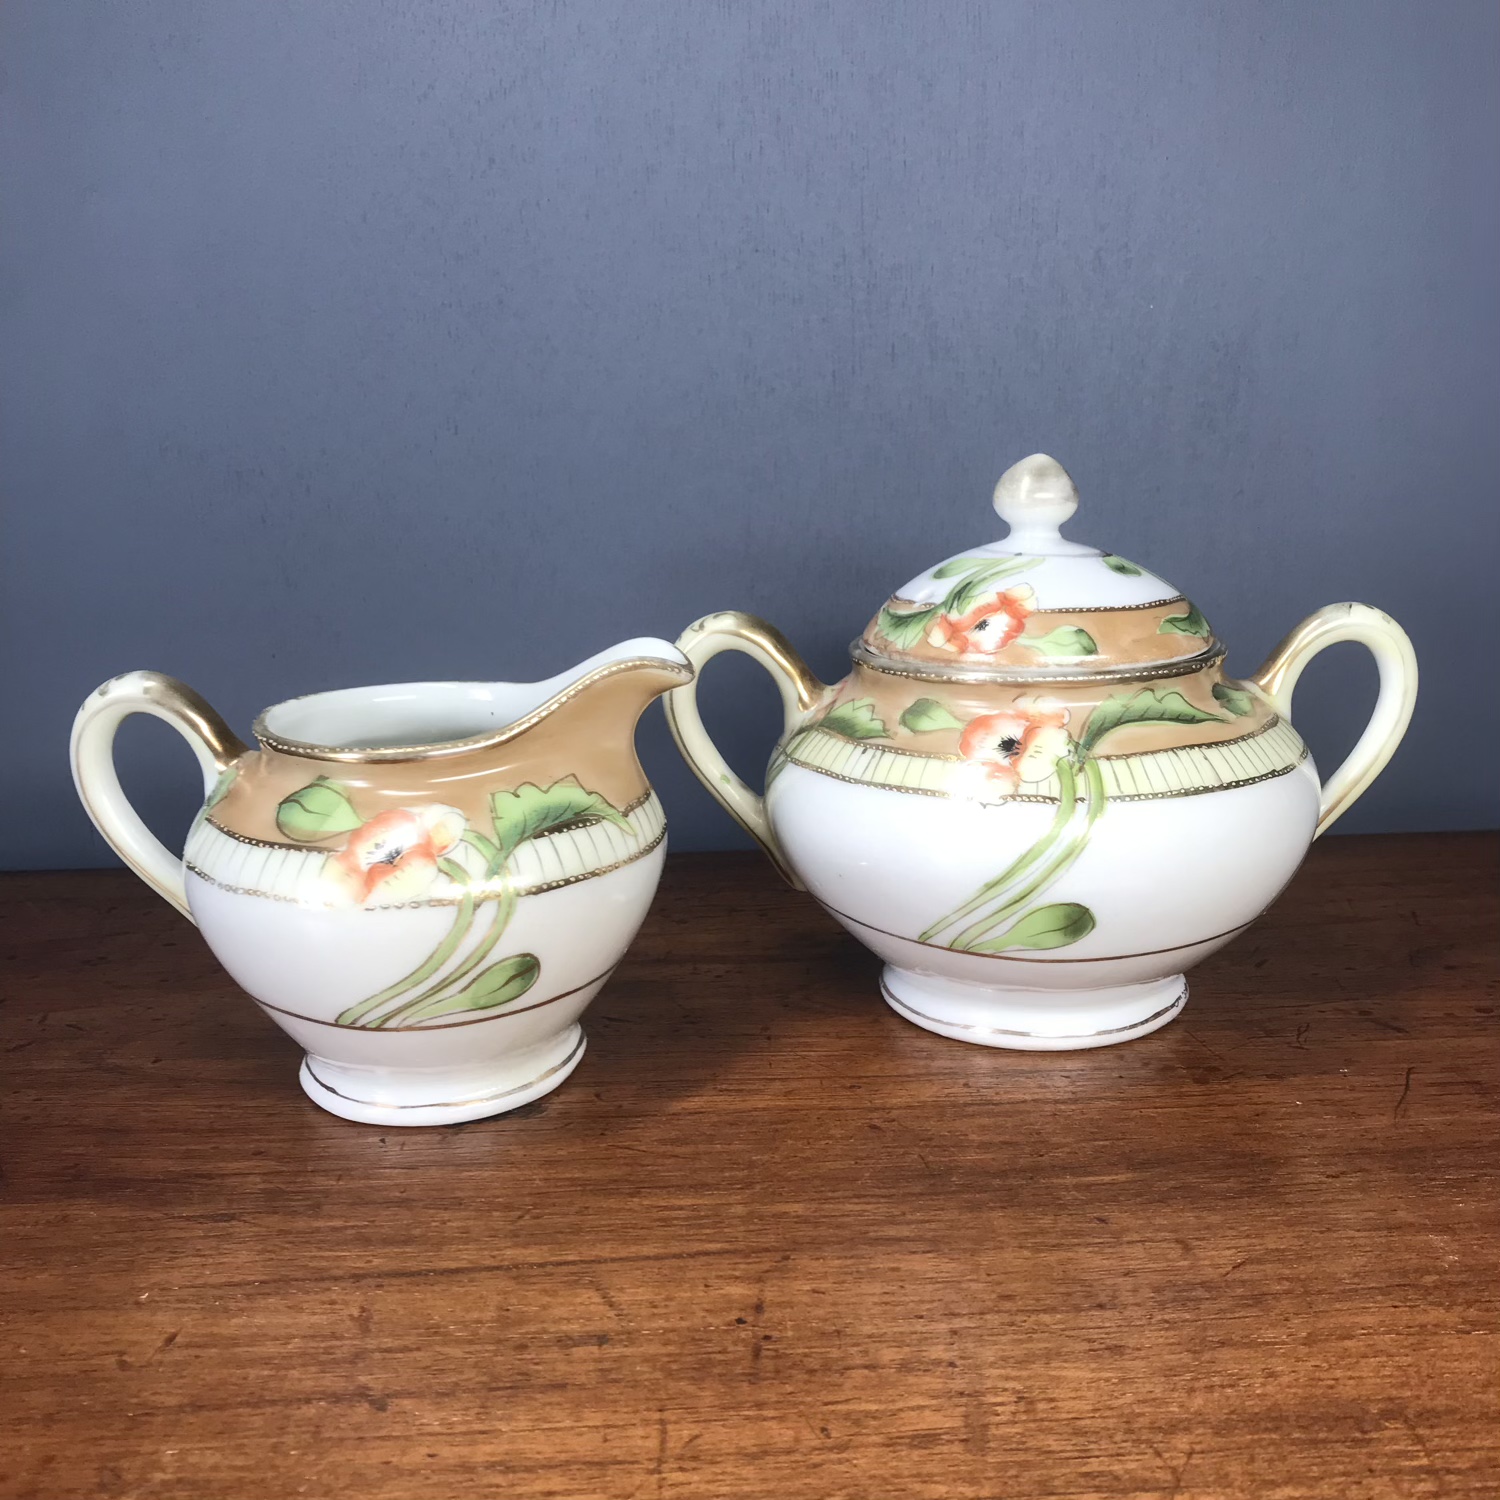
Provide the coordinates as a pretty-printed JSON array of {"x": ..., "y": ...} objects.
[
  {"x": 1397, "y": 664},
  {"x": 732, "y": 630},
  {"x": 214, "y": 743}
]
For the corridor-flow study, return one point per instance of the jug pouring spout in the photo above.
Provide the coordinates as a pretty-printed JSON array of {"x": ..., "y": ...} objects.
[
  {"x": 589, "y": 712},
  {"x": 467, "y": 723},
  {"x": 618, "y": 683}
]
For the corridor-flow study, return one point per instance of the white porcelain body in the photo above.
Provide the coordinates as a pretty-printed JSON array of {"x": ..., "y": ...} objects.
[
  {"x": 1171, "y": 881},
  {"x": 423, "y": 884},
  {"x": 1188, "y": 833},
  {"x": 305, "y": 966}
]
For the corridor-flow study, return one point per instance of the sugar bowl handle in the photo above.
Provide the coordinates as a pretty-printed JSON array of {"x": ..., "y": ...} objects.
[
  {"x": 731, "y": 630},
  {"x": 1397, "y": 664},
  {"x": 214, "y": 743}
]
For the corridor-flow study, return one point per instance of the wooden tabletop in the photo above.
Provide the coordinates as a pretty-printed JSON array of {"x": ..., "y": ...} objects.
[{"x": 770, "y": 1241}]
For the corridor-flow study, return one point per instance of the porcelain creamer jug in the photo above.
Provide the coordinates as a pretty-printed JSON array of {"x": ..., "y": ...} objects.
[
  {"x": 1037, "y": 796},
  {"x": 423, "y": 884}
]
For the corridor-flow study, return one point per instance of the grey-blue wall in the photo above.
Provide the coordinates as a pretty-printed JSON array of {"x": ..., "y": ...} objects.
[{"x": 357, "y": 342}]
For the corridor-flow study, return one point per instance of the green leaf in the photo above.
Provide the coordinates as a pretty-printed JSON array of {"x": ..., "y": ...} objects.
[
  {"x": 1236, "y": 700},
  {"x": 1066, "y": 640},
  {"x": 905, "y": 628},
  {"x": 855, "y": 721},
  {"x": 488, "y": 851},
  {"x": 1044, "y": 927},
  {"x": 1148, "y": 706},
  {"x": 1192, "y": 623},
  {"x": 963, "y": 596},
  {"x": 531, "y": 811},
  {"x": 495, "y": 986},
  {"x": 317, "y": 811},
  {"x": 1119, "y": 565},
  {"x": 926, "y": 715}
]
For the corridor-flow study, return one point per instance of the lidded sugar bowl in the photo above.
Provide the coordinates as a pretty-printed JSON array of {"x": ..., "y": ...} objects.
[{"x": 1037, "y": 797}]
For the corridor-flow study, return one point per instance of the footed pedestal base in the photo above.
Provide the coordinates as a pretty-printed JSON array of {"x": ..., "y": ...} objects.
[
  {"x": 441, "y": 1096},
  {"x": 1033, "y": 1020}
]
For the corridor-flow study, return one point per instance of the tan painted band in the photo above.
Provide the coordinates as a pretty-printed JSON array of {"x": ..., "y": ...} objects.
[
  {"x": 864, "y": 657},
  {"x": 926, "y": 791},
  {"x": 1239, "y": 739},
  {"x": 893, "y": 749},
  {"x": 492, "y": 894},
  {"x": 317, "y": 846},
  {"x": 448, "y": 748}
]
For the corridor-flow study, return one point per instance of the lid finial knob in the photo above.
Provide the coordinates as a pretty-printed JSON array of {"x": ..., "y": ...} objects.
[{"x": 1035, "y": 496}]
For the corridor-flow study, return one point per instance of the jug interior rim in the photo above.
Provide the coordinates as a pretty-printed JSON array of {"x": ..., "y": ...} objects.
[{"x": 531, "y": 712}]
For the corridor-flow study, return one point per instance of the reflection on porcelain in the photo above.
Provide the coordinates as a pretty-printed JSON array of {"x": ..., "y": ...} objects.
[
  {"x": 1037, "y": 796},
  {"x": 423, "y": 884}
]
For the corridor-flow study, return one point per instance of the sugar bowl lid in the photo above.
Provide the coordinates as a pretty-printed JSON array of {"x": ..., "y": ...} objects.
[{"x": 1035, "y": 606}]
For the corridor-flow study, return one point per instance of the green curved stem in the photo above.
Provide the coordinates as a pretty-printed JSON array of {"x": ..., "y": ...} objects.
[
  {"x": 980, "y": 578},
  {"x": 1098, "y": 796},
  {"x": 1064, "y": 860},
  {"x": 434, "y": 961},
  {"x": 443, "y": 1004},
  {"x": 1068, "y": 786},
  {"x": 504, "y": 909},
  {"x": 999, "y": 916},
  {"x": 490, "y": 851}
]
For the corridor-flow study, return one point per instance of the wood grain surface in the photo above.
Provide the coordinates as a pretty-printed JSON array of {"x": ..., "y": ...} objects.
[{"x": 770, "y": 1240}]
